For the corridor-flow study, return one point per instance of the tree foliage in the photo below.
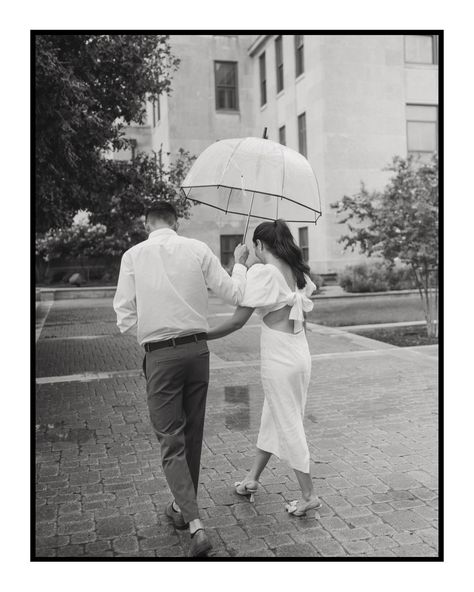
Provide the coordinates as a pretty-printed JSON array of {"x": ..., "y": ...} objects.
[
  {"x": 88, "y": 87},
  {"x": 400, "y": 222},
  {"x": 118, "y": 223}
]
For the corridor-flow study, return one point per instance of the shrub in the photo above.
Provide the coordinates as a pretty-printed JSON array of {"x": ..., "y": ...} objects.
[
  {"x": 318, "y": 281},
  {"x": 400, "y": 223},
  {"x": 376, "y": 277},
  {"x": 83, "y": 239}
]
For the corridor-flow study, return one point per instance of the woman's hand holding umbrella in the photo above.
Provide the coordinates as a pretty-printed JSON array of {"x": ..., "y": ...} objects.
[{"x": 241, "y": 253}]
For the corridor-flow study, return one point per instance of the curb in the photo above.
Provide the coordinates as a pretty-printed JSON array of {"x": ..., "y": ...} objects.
[
  {"x": 46, "y": 294},
  {"x": 365, "y": 294}
]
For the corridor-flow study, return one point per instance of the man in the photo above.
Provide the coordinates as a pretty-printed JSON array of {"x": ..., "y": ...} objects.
[{"x": 162, "y": 293}]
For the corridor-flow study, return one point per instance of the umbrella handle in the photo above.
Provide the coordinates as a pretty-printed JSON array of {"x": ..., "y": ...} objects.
[{"x": 248, "y": 219}]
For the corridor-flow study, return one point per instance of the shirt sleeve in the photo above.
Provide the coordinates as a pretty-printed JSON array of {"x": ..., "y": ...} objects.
[
  {"x": 125, "y": 304},
  {"x": 263, "y": 288},
  {"x": 229, "y": 288}
]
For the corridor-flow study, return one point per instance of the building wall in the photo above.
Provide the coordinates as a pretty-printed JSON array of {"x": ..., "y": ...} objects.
[
  {"x": 299, "y": 95},
  {"x": 364, "y": 122},
  {"x": 194, "y": 123},
  {"x": 354, "y": 91}
]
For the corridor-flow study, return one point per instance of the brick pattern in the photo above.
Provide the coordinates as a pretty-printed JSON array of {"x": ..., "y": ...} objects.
[
  {"x": 63, "y": 357},
  {"x": 372, "y": 430}
]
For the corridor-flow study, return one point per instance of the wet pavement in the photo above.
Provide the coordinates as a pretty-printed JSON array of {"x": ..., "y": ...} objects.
[{"x": 371, "y": 423}]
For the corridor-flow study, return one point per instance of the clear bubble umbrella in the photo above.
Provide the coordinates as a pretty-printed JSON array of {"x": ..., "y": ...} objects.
[{"x": 256, "y": 178}]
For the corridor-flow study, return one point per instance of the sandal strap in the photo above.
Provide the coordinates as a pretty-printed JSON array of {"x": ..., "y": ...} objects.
[{"x": 196, "y": 531}]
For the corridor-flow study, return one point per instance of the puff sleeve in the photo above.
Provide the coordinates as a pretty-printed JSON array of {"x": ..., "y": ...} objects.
[
  {"x": 310, "y": 286},
  {"x": 262, "y": 288}
]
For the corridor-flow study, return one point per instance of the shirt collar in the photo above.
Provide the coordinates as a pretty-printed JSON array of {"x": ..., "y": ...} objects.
[{"x": 161, "y": 232}]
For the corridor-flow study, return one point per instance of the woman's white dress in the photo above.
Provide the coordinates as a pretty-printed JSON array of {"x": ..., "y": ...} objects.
[{"x": 285, "y": 364}]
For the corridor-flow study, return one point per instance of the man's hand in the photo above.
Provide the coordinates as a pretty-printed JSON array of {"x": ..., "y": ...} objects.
[{"x": 241, "y": 253}]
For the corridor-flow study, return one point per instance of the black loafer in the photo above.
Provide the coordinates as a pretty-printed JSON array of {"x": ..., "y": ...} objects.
[
  {"x": 176, "y": 517},
  {"x": 200, "y": 544}
]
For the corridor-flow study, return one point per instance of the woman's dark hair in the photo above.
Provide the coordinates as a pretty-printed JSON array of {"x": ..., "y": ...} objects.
[{"x": 279, "y": 241}]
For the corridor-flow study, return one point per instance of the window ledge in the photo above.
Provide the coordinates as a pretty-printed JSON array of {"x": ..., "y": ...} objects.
[
  {"x": 280, "y": 93},
  {"x": 263, "y": 107},
  {"x": 300, "y": 77},
  {"x": 414, "y": 65},
  {"x": 228, "y": 111}
]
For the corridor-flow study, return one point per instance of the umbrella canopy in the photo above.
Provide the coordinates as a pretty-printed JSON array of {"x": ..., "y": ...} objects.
[{"x": 255, "y": 177}]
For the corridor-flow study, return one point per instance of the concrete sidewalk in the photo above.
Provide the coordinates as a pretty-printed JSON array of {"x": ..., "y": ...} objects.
[{"x": 371, "y": 423}]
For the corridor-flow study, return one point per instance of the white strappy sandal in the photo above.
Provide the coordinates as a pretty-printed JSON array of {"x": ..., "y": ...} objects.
[
  {"x": 291, "y": 508},
  {"x": 246, "y": 488}
]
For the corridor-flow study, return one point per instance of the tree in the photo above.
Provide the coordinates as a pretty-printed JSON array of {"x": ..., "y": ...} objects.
[
  {"x": 401, "y": 222},
  {"x": 118, "y": 223},
  {"x": 88, "y": 87},
  {"x": 134, "y": 185}
]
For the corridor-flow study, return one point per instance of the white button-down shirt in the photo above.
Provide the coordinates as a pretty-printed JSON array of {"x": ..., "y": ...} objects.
[{"x": 162, "y": 286}]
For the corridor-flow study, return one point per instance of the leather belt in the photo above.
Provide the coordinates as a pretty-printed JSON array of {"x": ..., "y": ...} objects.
[{"x": 173, "y": 342}]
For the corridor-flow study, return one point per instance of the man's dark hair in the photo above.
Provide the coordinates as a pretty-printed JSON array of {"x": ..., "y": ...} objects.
[{"x": 162, "y": 210}]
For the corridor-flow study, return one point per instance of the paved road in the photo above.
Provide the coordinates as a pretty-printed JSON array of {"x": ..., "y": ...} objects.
[{"x": 371, "y": 423}]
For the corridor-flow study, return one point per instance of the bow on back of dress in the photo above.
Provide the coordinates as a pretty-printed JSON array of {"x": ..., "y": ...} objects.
[{"x": 299, "y": 303}]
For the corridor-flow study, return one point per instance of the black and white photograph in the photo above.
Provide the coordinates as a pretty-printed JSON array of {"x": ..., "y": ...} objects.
[{"x": 237, "y": 295}]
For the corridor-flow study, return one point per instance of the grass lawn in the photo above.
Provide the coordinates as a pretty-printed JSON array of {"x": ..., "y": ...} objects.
[
  {"x": 400, "y": 336},
  {"x": 339, "y": 312}
]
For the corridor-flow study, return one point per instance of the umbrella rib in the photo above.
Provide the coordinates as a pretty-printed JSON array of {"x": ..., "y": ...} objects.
[
  {"x": 230, "y": 158},
  {"x": 319, "y": 194},
  {"x": 260, "y": 217},
  {"x": 228, "y": 200},
  {"x": 261, "y": 193},
  {"x": 282, "y": 179}
]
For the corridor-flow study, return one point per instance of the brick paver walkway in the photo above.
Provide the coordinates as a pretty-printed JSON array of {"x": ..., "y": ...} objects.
[{"x": 371, "y": 424}]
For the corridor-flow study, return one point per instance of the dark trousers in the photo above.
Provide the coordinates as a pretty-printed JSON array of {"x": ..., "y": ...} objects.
[{"x": 177, "y": 382}]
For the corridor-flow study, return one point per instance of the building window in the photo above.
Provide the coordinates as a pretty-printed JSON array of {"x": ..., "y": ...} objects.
[
  {"x": 155, "y": 107},
  {"x": 421, "y": 49},
  {"x": 228, "y": 244},
  {"x": 282, "y": 135},
  {"x": 302, "y": 134},
  {"x": 263, "y": 79},
  {"x": 303, "y": 241},
  {"x": 133, "y": 149},
  {"x": 226, "y": 86},
  {"x": 279, "y": 62},
  {"x": 422, "y": 130},
  {"x": 299, "y": 54}
]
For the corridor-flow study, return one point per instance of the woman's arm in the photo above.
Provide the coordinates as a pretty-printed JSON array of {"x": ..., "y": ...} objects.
[{"x": 238, "y": 320}]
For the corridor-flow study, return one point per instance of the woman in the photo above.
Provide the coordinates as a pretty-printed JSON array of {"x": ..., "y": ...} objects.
[{"x": 278, "y": 288}]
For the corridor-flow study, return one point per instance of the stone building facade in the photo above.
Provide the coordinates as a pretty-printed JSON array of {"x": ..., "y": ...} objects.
[{"x": 349, "y": 103}]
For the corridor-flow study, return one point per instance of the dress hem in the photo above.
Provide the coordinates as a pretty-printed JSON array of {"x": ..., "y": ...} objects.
[{"x": 282, "y": 459}]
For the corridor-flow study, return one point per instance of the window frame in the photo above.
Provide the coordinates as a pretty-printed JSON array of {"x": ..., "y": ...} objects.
[
  {"x": 434, "y": 50},
  {"x": 279, "y": 64},
  {"x": 156, "y": 111},
  {"x": 436, "y": 123},
  {"x": 262, "y": 71},
  {"x": 302, "y": 117},
  {"x": 303, "y": 232},
  {"x": 222, "y": 237},
  {"x": 280, "y": 134},
  {"x": 236, "y": 87},
  {"x": 299, "y": 53},
  {"x": 133, "y": 148}
]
